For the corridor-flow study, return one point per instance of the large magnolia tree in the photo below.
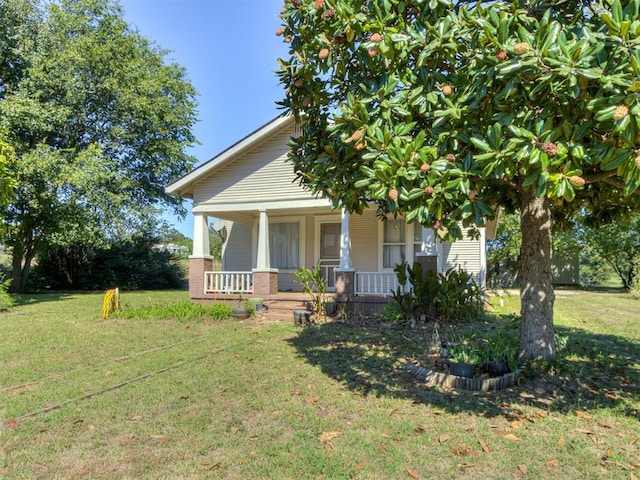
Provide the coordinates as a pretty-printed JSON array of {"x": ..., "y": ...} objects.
[{"x": 443, "y": 110}]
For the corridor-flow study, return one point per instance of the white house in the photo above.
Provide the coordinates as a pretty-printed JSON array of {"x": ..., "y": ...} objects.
[{"x": 272, "y": 226}]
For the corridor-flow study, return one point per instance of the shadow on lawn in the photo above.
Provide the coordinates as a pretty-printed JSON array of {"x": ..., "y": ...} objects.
[
  {"x": 31, "y": 298},
  {"x": 592, "y": 370}
]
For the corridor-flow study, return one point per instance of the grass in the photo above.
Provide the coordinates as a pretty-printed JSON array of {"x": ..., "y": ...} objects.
[{"x": 82, "y": 397}]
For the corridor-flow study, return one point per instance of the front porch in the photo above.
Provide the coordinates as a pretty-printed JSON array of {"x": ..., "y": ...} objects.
[
  {"x": 364, "y": 283},
  {"x": 280, "y": 307}
]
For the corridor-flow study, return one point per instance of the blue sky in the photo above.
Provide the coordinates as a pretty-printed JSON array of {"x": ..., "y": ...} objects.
[{"x": 230, "y": 51}]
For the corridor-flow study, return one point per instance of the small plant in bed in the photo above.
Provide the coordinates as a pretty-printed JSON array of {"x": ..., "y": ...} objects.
[{"x": 463, "y": 357}]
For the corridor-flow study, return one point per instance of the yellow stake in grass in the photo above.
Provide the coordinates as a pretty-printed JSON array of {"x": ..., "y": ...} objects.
[{"x": 111, "y": 302}]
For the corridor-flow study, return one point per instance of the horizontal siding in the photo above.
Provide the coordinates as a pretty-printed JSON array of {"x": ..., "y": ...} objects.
[
  {"x": 364, "y": 241},
  {"x": 464, "y": 254},
  {"x": 261, "y": 174},
  {"x": 237, "y": 251}
]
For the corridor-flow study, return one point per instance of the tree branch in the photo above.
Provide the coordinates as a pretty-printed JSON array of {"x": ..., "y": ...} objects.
[{"x": 618, "y": 184}]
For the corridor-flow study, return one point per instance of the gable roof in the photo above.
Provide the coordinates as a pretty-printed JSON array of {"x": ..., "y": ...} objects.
[{"x": 183, "y": 187}]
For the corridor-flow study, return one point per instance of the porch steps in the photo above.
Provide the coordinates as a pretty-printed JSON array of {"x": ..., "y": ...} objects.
[{"x": 282, "y": 309}]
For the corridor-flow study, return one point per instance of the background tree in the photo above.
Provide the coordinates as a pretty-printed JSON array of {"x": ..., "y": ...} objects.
[
  {"x": 438, "y": 110},
  {"x": 618, "y": 245},
  {"x": 8, "y": 182},
  {"x": 99, "y": 122}
]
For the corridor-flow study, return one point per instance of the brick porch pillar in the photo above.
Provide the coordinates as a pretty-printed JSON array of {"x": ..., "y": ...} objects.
[
  {"x": 265, "y": 282},
  {"x": 345, "y": 284},
  {"x": 197, "y": 266},
  {"x": 429, "y": 263}
]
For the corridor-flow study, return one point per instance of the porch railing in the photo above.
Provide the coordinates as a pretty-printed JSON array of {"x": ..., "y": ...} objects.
[
  {"x": 228, "y": 282},
  {"x": 375, "y": 283}
]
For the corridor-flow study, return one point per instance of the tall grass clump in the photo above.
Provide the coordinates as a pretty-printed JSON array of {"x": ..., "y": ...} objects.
[{"x": 184, "y": 310}]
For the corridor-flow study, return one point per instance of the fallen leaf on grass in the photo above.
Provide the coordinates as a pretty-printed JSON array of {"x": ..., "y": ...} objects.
[
  {"x": 296, "y": 392},
  {"x": 328, "y": 436},
  {"x": 359, "y": 466},
  {"x": 581, "y": 414},
  {"x": 419, "y": 430},
  {"x": 11, "y": 423},
  {"x": 443, "y": 438},
  {"x": 512, "y": 437},
  {"x": 523, "y": 469},
  {"x": 633, "y": 476},
  {"x": 462, "y": 450},
  {"x": 552, "y": 464},
  {"x": 633, "y": 441},
  {"x": 561, "y": 442},
  {"x": 234, "y": 429},
  {"x": 412, "y": 474},
  {"x": 462, "y": 466},
  {"x": 485, "y": 447},
  {"x": 604, "y": 424}
]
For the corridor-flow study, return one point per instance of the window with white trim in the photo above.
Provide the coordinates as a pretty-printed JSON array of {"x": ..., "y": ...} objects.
[{"x": 394, "y": 244}]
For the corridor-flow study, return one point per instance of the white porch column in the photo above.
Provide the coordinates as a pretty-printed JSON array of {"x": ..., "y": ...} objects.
[
  {"x": 345, "y": 243},
  {"x": 201, "y": 236},
  {"x": 263, "y": 261}
]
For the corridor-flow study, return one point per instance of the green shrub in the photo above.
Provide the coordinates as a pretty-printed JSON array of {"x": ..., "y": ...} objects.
[
  {"x": 447, "y": 296},
  {"x": 176, "y": 310},
  {"x": 6, "y": 300},
  {"x": 391, "y": 312}
]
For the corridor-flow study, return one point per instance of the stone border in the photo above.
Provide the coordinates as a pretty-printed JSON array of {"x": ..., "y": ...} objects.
[{"x": 446, "y": 380}]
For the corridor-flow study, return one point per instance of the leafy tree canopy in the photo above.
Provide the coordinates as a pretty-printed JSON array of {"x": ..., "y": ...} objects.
[
  {"x": 440, "y": 110},
  {"x": 99, "y": 121}
]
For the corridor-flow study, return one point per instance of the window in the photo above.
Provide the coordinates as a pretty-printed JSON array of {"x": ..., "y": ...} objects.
[
  {"x": 284, "y": 243},
  {"x": 393, "y": 243}
]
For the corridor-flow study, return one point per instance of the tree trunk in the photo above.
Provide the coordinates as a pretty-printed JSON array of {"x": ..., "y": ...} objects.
[
  {"x": 537, "y": 339},
  {"x": 20, "y": 268}
]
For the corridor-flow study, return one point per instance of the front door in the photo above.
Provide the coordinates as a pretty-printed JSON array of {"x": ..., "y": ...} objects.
[{"x": 330, "y": 252}]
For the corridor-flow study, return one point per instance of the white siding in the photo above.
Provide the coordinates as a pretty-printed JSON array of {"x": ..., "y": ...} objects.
[
  {"x": 237, "y": 252},
  {"x": 261, "y": 174},
  {"x": 364, "y": 241},
  {"x": 465, "y": 254}
]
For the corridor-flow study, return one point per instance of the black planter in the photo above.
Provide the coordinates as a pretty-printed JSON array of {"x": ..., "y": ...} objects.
[
  {"x": 466, "y": 370},
  {"x": 497, "y": 368},
  {"x": 301, "y": 317},
  {"x": 240, "y": 313}
]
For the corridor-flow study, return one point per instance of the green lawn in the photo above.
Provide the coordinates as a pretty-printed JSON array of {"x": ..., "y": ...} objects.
[{"x": 82, "y": 397}]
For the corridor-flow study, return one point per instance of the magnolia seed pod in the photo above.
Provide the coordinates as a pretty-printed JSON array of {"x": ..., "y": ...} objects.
[
  {"x": 620, "y": 112},
  {"x": 577, "y": 181},
  {"x": 521, "y": 48}
]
